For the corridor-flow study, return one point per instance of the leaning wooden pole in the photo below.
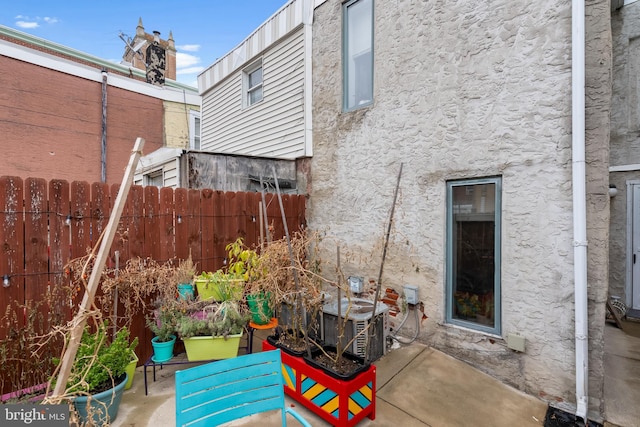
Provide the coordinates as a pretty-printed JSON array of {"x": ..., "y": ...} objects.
[
  {"x": 384, "y": 255},
  {"x": 94, "y": 279},
  {"x": 293, "y": 264}
]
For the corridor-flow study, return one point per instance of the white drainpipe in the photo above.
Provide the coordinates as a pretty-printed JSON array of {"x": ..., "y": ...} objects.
[{"x": 579, "y": 206}]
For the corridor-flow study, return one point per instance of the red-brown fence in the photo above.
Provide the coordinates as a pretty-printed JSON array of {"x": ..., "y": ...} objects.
[{"x": 45, "y": 224}]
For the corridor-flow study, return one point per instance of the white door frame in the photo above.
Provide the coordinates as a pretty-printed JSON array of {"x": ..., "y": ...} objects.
[{"x": 632, "y": 299}]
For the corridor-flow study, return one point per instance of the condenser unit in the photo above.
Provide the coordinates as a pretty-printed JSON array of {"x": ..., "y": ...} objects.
[{"x": 359, "y": 317}]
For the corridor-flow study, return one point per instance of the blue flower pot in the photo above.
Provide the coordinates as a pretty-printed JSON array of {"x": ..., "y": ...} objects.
[
  {"x": 185, "y": 291},
  {"x": 102, "y": 408},
  {"x": 162, "y": 351}
]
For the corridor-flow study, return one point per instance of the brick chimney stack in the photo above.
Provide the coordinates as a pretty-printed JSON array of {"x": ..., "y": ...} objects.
[{"x": 153, "y": 52}]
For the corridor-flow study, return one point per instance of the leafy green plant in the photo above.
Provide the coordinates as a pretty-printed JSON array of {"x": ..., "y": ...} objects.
[
  {"x": 219, "y": 319},
  {"x": 99, "y": 363},
  {"x": 163, "y": 322},
  {"x": 467, "y": 304},
  {"x": 243, "y": 262},
  {"x": 227, "y": 285}
]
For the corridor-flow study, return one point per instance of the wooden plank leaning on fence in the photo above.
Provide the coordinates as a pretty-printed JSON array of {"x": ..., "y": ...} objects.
[{"x": 87, "y": 301}]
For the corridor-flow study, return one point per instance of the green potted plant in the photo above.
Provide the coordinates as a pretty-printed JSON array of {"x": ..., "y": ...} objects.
[
  {"x": 98, "y": 375},
  {"x": 259, "y": 291},
  {"x": 213, "y": 330},
  {"x": 467, "y": 305},
  {"x": 163, "y": 326},
  {"x": 183, "y": 276},
  {"x": 218, "y": 286}
]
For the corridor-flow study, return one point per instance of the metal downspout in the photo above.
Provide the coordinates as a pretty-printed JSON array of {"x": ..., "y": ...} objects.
[
  {"x": 103, "y": 162},
  {"x": 579, "y": 206}
]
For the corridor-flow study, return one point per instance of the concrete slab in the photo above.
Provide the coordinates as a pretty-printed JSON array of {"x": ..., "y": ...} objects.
[
  {"x": 439, "y": 390},
  {"x": 622, "y": 377},
  {"x": 417, "y": 386}
]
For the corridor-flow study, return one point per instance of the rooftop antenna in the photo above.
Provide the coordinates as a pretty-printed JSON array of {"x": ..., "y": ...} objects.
[{"x": 136, "y": 49}]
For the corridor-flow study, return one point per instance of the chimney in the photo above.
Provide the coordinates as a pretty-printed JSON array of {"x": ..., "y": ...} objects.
[{"x": 155, "y": 56}]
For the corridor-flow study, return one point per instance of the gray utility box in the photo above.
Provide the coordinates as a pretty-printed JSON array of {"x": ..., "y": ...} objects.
[{"x": 360, "y": 314}]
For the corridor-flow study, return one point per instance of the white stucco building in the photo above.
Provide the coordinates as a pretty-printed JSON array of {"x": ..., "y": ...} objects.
[{"x": 503, "y": 207}]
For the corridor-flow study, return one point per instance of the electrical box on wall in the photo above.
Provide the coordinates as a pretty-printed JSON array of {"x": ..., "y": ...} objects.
[
  {"x": 411, "y": 294},
  {"x": 515, "y": 342},
  {"x": 356, "y": 284}
]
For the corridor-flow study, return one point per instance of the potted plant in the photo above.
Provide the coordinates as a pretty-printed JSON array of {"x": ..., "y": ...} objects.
[
  {"x": 98, "y": 375},
  {"x": 324, "y": 369},
  {"x": 292, "y": 273},
  {"x": 131, "y": 369},
  {"x": 212, "y": 330},
  {"x": 218, "y": 286},
  {"x": 251, "y": 266},
  {"x": 467, "y": 305},
  {"x": 163, "y": 326},
  {"x": 183, "y": 276}
]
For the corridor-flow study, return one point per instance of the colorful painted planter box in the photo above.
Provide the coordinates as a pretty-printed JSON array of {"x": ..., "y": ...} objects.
[{"x": 338, "y": 402}]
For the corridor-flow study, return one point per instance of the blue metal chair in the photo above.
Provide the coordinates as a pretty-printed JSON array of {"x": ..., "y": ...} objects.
[{"x": 225, "y": 390}]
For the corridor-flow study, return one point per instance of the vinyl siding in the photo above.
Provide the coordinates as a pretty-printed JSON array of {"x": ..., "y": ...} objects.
[{"x": 273, "y": 127}]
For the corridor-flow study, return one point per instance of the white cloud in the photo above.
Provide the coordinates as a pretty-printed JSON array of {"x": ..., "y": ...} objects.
[
  {"x": 184, "y": 60},
  {"x": 190, "y": 70},
  {"x": 189, "y": 47},
  {"x": 25, "y": 24}
]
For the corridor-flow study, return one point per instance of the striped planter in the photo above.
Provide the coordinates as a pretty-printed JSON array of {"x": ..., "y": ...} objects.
[{"x": 341, "y": 403}]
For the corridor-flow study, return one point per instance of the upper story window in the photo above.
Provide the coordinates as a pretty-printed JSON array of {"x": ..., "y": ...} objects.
[
  {"x": 194, "y": 130},
  {"x": 252, "y": 84},
  {"x": 357, "y": 53}
]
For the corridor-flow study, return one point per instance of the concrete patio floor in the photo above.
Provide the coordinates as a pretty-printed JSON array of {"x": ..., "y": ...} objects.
[{"x": 416, "y": 386}]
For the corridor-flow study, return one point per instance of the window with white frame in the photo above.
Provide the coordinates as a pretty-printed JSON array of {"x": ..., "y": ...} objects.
[
  {"x": 155, "y": 178},
  {"x": 194, "y": 130},
  {"x": 473, "y": 254},
  {"x": 357, "y": 53},
  {"x": 252, "y": 84}
]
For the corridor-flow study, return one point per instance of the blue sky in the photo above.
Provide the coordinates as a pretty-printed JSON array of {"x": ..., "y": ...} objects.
[{"x": 203, "y": 30}]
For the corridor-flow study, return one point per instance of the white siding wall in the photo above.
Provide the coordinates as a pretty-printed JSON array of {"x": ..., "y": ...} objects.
[
  {"x": 273, "y": 127},
  {"x": 170, "y": 174}
]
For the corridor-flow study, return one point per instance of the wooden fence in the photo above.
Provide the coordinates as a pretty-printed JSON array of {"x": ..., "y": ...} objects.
[{"x": 45, "y": 224}]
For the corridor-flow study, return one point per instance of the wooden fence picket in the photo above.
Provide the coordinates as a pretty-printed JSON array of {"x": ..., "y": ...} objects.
[
  {"x": 80, "y": 219},
  {"x": 59, "y": 246},
  {"x": 166, "y": 224},
  {"x": 36, "y": 271},
  {"x": 152, "y": 222}
]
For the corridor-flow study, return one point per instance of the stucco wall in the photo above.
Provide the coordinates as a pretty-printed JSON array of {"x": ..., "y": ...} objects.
[{"x": 467, "y": 90}]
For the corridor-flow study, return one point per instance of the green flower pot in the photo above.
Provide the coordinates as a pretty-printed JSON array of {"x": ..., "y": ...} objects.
[
  {"x": 131, "y": 370},
  {"x": 260, "y": 308},
  {"x": 212, "y": 348}
]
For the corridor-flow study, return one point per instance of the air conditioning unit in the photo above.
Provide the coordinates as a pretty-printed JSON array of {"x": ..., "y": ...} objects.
[{"x": 360, "y": 315}]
